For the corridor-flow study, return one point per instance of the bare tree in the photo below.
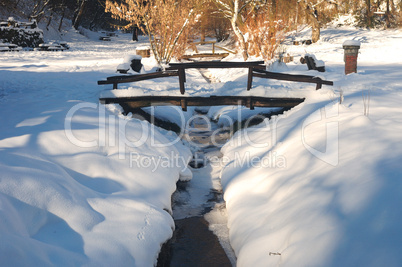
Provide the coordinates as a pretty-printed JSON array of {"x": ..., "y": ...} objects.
[
  {"x": 262, "y": 21},
  {"x": 167, "y": 22},
  {"x": 315, "y": 12},
  {"x": 232, "y": 10},
  {"x": 79, "y": 13},
  {"x": 39, "y": 8}
]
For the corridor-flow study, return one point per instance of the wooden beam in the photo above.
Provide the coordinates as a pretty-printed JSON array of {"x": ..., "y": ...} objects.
[
  {"x": 139, "y": 77},
  {"x": 249, "y": 78},
  {"x": 182, "y": 80},
  {"x": 250, "y": 101},
  {"x": 251, "y": 104},
  {"x": 225, "y": 49},
  {"x": 183, "y": 103},
  {"x": 291, "y": 77},
  {"x": 215, "y": 64},
  {"x": 206, "y": 55}
]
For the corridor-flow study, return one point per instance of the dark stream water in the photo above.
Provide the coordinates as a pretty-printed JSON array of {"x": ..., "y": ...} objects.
[{"x": 198, "y": 205}]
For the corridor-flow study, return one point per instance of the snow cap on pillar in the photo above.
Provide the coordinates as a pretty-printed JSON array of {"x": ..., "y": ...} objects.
[{"x": 351, "y": 47}]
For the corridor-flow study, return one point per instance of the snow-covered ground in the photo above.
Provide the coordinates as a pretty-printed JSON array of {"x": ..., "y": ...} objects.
[
  {"x": 81, "y": 184},
  {"x": 321, "y": 185}
]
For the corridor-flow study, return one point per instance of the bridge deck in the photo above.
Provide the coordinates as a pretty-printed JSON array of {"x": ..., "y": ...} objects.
[{"x": 184, "y": 101}]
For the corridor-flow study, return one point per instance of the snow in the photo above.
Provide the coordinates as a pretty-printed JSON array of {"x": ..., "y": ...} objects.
[
  {"x": 324, "y": 190},
  {"x": 351, "y": 43},
  {"x": 81, "y": 184},
  {"x": 132, "y": 57}
]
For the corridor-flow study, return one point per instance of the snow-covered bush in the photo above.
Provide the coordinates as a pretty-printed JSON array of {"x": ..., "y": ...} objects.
[{"x": 25, "y": 37}]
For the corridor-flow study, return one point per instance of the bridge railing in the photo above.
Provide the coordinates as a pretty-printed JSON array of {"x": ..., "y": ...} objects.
[{"x": 255, "y": 69}]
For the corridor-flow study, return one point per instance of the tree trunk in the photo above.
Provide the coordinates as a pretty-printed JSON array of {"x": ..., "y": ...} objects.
[
  {"x": 274, "y": 11},
  {"x": 368, "y": 14},
  {"x": 238, "y": 33},
  {"x": 315, "y": 34},
  {"x": 135, "y": 34},
  {"x": 315, "y": 23},
  {"x": 80, "y": 13},
  {"x": 202, "y": 32},
  {"x": 49, "y": 20},
  {"x": 62, "y": 18},
  {"x": 387, "y": 19}
]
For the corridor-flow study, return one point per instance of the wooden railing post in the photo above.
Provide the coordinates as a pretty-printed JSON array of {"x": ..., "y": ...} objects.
[
  {"x": 183, "y": 103},
  {"x": 251, "y": 104},
  {"x": 250, "y": 78},
  {"x": 182, "y": 80}
]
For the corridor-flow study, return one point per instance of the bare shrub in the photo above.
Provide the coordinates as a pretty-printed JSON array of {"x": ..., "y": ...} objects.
[
  {"x": 265, "y": 34},
  {"x": 166, "y": 22}
]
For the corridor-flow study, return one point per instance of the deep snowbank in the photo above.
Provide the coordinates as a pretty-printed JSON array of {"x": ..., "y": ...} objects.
[
  {"x": 79, "y": 184},
  {"x": 320, "y": 185}
]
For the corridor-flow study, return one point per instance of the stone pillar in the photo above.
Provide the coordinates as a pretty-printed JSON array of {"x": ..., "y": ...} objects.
[{"x": 351, "y": 49}]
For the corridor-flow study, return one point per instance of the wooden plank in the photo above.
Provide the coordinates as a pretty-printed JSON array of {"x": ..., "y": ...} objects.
[
  {"x": 206, "y": 55},
  {"x": 250, "y": 101},
  {"x": 225, "y": 49},
  {"x": 207, "y": 42},
  {"x": 249, "y": 78},
  {"x": 136, "y": 78},
  {"x": 183, "y": 103},
  {"x": 215, "y": 64},
  {"x": 290, "y": 77},
  {"x": 182, "y": 80}
]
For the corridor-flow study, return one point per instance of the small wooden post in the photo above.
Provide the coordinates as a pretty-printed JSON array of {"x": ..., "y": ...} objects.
[
  {"x": 213, "y": 48},
  {"x": 114, "y": 86},
  {"x": 250, "y": 78},
  {"x": 319, "y": 85},
  {"x": 250, "y": 101},
  {"x": 182, "y": 80},
  {"x": 183, "y": 103}
]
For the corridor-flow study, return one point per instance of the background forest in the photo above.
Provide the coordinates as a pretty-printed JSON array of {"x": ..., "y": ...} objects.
[{"x": 258, "y": 26}]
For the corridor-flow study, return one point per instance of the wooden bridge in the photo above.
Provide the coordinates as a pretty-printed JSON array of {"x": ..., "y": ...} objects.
[
  {"x": 212, "y": 54},
  {"x": 255, "y": 69}
]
